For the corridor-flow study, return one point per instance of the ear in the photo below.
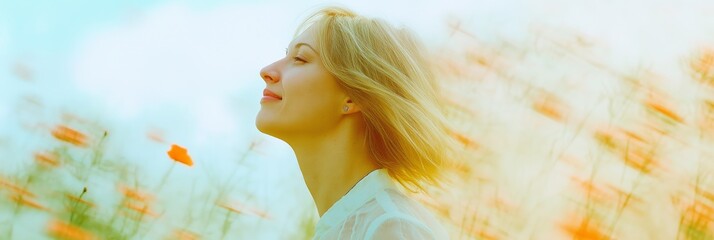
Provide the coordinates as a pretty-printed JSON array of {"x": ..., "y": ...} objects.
[{"x": 349, "y": 107}]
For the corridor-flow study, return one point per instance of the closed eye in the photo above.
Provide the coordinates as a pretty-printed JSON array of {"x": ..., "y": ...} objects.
[{"x": 298, "y": 59}]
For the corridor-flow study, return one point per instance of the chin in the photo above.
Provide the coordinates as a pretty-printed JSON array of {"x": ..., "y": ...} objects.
[
  {"x": 264, "y": 125},
  {"x": 260, "y": 124}
]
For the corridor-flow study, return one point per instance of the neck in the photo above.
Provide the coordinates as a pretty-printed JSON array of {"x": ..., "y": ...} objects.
[{"x": 333, "y": 162}]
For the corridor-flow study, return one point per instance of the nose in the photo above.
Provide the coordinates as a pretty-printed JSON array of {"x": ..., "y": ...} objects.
[{"x": 270, "y": 74}]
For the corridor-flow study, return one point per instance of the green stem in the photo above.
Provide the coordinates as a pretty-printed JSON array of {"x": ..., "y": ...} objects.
[
  {"x": 74, "y": 208},
  {"x": 166, "y": 176}
]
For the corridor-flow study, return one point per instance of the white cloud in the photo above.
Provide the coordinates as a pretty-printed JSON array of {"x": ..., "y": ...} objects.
[{"x": 179, "y": 55}]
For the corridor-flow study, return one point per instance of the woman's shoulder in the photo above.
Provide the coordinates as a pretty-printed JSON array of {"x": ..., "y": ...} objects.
[{"x": 402, "y": 217}]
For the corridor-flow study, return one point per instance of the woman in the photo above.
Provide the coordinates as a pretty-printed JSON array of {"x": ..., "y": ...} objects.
[{"x": 356, "y": 101}]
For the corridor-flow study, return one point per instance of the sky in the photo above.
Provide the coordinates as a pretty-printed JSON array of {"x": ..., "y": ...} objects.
[{"x": 135, "y": 57}]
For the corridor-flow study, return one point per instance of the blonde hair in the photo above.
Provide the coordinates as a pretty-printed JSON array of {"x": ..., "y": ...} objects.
[{"x": 384, "y": 71}]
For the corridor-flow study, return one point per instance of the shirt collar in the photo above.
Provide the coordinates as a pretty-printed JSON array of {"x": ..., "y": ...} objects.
[{"x": 365, "y": 190}]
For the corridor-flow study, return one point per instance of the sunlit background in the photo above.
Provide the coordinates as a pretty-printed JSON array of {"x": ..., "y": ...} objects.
[{"x": 135, "y": 119}]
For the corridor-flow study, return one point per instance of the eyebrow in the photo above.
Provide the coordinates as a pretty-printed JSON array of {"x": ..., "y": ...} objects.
[{"x": 297, "y": 45}]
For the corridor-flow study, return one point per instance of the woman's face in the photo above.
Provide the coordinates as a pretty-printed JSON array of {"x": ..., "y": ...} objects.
[{"x": 308, "y": 97}]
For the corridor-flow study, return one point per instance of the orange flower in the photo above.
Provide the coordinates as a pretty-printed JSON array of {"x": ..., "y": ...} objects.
[
  {"x": 699, "y": 216},
  {"x": 262, "y": 214},
  {"x": 635, "y": 150},
  {"x": 179, "y": 154},
  {"x": 707, "y": 194},
  {"x": 69, "y": 135},
  {"x": 234, "y": 209},
  {"x": 155, "y": 135},
  {"x": 134, "y": 194},
  {"x": 640, "y": 159},
  {"x": 475, "y": 57},
  {"x": 241, "y": 208},
  {"x": 142, "y": 210},
  {"x": 591, "y": 189},
  {"x": 465, "y": 140},
  {"x": 550, "y": 108},
  {"x": 615, "y": 139},
  {"x": 47, "y": 159},
  {"x": 63, "y": 230},
  {"x": 15, "y": 188},
  {"x": 483, "y": 233},
  {"x": 706, "y": 122},
  {"x": 705, "y": 62},
  {"x": 700, "y": 209},
  {"x": 579, "y": 227},
  {"x": 79, "y": 200},
  {"x": 27, "y": 201},
  {"x": 667, "y": 112},
  {"x": 503, "y": 204},
  {"x": 181, "y": 234}
]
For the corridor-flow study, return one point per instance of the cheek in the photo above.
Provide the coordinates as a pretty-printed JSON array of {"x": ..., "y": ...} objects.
[{"x": 311, "y": 102}]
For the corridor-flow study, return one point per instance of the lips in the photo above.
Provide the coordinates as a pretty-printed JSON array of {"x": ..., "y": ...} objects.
[{"x": 268, "y": 93}]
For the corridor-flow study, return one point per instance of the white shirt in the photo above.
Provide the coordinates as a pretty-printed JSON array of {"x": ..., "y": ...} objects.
[{"x": 375, "y": 208}]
